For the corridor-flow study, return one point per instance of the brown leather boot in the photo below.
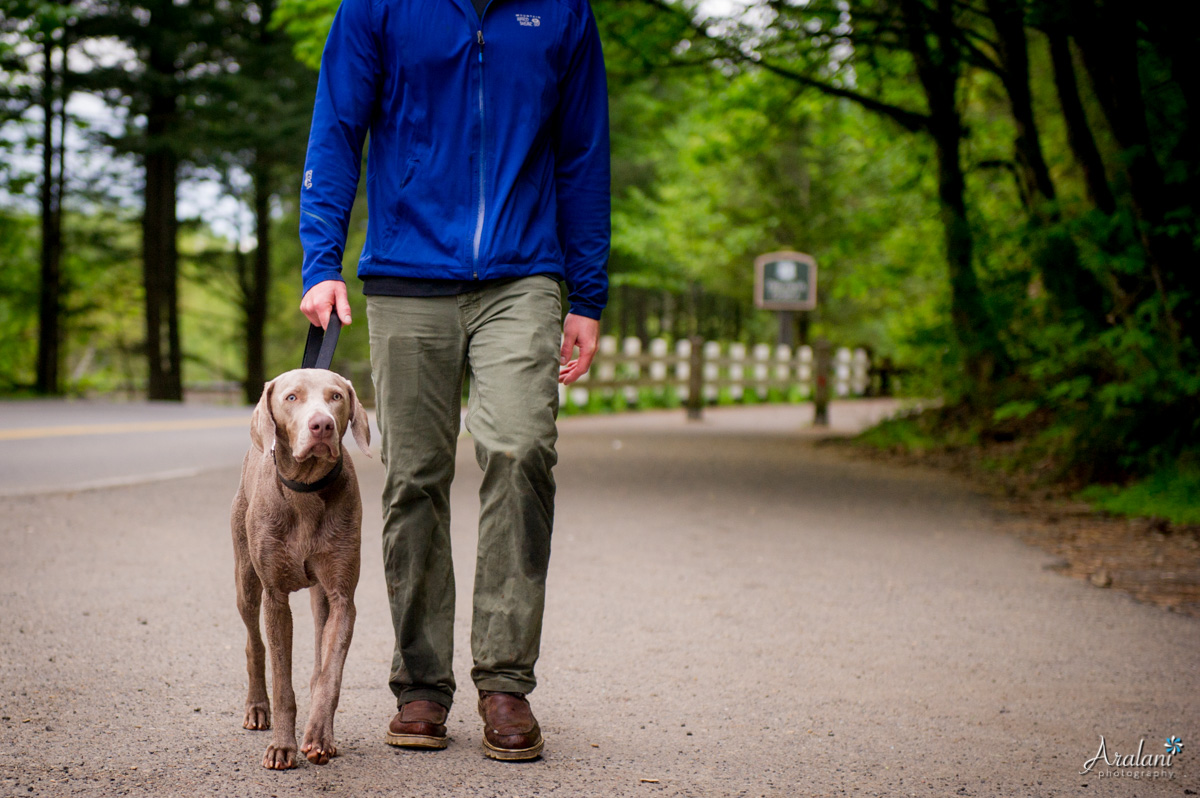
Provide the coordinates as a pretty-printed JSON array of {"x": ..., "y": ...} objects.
[
  {"x": 419, "y": 724},
  {"x": 510, "y": 732}
]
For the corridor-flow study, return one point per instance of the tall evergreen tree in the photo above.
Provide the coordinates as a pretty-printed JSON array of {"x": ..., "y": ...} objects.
[{"x": 181, "y": 52}]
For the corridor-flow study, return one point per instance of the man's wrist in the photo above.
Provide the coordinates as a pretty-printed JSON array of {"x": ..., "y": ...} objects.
[
  {"x": 321, "y": 277},
  {"x": 587, "y": 311}
]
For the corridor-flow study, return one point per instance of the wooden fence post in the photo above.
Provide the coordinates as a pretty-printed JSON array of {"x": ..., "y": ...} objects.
[
  {"x": 737, "y": 370},
  {"x": 683, "y": 367},
  {"x": 824, "y": 363},
  {"x": 761, "y": 354},
  {"x": 712, "y": 370},
  {"x": 804, "y": 370},
  {"x": 632, "y": 348},
  {"x": 658, "y": 366},
  {"x": 606, "y": 369},
  {"x": 860, "y": 372},
  {"x": 841, "y": 359},
  {"x": 695, "y": 399},
  {"x": 783, "y": 361}
]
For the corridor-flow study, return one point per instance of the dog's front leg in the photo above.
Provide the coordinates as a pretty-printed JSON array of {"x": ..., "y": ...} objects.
[
  {"x": 281, "y": 753},
  {"x": 249, "y": 602},
  {"x": 319, "y": 744},
  {"x": 320, "y": 613}
]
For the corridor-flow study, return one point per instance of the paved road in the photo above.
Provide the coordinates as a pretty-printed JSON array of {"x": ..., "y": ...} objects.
[
  {"x": 733, "y": 611},
  {"x": 56, "y": 445}
]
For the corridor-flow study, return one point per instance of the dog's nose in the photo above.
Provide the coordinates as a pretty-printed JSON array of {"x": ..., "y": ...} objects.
[{"x": 321, "y": 427}]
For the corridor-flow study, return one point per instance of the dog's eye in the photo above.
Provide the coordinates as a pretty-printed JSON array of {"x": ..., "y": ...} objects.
[
  {"x": 337, "y": 397},
  {"x": 291, "y": 397}
]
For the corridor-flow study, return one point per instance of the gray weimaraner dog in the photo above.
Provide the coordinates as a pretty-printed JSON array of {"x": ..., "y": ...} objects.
[{"x": 297, "y": 521}]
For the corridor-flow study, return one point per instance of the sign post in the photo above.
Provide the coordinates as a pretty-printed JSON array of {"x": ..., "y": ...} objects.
[{"x": 785, "y": 282}]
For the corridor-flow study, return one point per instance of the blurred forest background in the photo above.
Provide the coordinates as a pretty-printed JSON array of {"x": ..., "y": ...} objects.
[{"x": 1001, "y": 195}]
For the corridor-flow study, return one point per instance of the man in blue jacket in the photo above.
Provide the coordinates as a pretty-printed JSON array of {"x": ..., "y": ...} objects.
[{"x": 487, "y": 184}]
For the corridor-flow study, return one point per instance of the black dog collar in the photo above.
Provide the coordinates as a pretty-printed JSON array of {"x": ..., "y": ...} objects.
[{"x": 310, "y": 487}]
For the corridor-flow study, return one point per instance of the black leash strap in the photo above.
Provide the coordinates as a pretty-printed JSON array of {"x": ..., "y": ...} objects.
[{"x": 318, "y": 349}]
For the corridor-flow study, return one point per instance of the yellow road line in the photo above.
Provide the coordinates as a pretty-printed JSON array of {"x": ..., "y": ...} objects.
[{"x": 114, "y": 429}]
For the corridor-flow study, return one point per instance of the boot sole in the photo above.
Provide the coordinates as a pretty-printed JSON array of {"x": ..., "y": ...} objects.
[
  {"x": 416, "y": 741},
  {"x": 512, "y": 754}
]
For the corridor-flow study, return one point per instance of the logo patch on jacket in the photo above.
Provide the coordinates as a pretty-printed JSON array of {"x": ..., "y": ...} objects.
[
  {"x": 529, "y": 20},
  {"x": 308, "y": 179}
]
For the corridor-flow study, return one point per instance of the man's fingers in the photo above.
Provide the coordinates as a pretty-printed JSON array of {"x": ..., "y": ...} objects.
[
  {"x": 582, "y": 332},
  {"x": 343, "y": 303},
  {"x": 570, "y": 373},
  {"x": 585, "y": 357},
  {"x": 568, "y": 346}
]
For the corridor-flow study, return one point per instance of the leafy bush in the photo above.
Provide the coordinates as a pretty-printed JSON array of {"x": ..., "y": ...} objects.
[{"x": 1171, "y": 492}]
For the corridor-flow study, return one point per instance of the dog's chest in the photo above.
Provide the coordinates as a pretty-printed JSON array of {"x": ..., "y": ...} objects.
[{"x": 285, "y": 553}]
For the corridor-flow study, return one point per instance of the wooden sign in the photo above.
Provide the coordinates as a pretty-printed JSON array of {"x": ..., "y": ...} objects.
[{"x": 785, "y": 281}]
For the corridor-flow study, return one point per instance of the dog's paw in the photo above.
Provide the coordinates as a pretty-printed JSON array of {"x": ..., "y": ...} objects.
[
  {"x": 258, "y": 716},
  {"x": 280, "y": 757},
  {"x": 318, "y": 747}
]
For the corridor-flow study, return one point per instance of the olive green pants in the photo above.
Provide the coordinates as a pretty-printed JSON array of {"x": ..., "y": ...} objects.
[{"x": 508, "y": 336}]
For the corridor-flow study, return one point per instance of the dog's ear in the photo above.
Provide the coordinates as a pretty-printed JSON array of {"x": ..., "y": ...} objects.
[
  {"x": 262, "y": 422},
  {"x": 359, "y": 425}
]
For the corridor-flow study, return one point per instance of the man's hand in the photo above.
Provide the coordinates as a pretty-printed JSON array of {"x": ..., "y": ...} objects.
[
  {"x": 582, "y": 332},
  {"x": 322, "y": 298}
]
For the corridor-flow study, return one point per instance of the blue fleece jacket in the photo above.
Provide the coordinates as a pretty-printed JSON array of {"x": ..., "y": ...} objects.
[{"x": 489, "y": 144}]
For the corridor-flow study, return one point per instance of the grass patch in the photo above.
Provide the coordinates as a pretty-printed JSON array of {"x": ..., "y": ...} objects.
[
  {"x": 1172, "y": 493},
  {"x": 905, "y": 434}
]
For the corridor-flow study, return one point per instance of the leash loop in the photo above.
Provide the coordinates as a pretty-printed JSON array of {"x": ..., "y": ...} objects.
[{"x": 318, "y": 349}]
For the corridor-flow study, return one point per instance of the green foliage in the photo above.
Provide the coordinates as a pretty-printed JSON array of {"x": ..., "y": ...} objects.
[
  {"x": 307, "y": 22},
  {"x": 1014, "y": 409},
  {"x": 907, "y": 434},
  {"x": 18, "y": 301},
  {"x": 1171, "y": 492},
  {"x": 101, "y": 320},
  {"x": 728, "y": 169}
]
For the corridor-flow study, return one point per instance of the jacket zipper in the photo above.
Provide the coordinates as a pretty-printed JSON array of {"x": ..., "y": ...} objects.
[{"x": 482, "y": 163}]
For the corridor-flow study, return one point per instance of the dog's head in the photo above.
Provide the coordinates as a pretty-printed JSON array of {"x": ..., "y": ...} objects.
[{"x": 308, "y": 410}]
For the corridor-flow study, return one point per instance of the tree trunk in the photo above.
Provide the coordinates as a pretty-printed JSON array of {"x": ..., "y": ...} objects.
[
  {"x": 50, "y": 299},
  {"x": 939, "y": 72},
  {"x": 624, "y": 311},
  {"x": 641, "y": 316},
  {"x": 257, "y": 290},
  {"x": 1013, "y": 49},
  {"x": 969, "y": 315},
  {"x": 1107, "y": 40},
  {"x": 1055, "y": 254},
  {"x": 1079, "y": 132},
  {"x": 159, "y": 257},
  {"x": 1177, "y": 44}
]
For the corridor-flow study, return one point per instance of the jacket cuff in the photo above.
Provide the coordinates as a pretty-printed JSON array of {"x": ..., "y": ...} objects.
[
  {"x": 586, "y": 309},
  {"x": 319, "y": 277}
]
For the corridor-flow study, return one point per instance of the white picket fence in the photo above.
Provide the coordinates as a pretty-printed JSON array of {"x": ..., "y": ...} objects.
[{"x": 624, "y": 366}]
